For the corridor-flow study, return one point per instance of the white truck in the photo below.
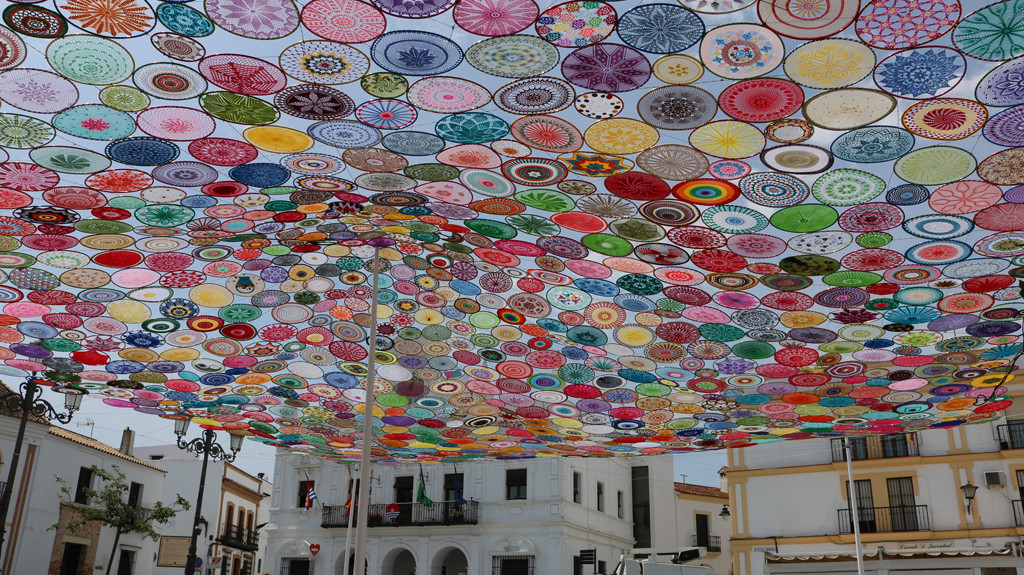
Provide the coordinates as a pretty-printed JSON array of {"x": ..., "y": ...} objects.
[{"x": 662, "y": 561}]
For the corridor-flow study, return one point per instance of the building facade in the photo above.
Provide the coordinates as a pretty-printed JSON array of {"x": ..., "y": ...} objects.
[
  {"x": 791, "y": 510},
  {"x": 703, "y": 521},
  {"x": 504, "y": 517},
  {"x": 234, "y": 507},
  {"x": 36, "y": 541}
]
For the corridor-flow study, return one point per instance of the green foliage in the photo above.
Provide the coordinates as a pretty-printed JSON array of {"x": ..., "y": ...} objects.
[{"x": 109, "y": 505}]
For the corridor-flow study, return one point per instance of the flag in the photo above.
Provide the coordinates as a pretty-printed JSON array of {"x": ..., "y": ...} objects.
[
  {"x": 310, "y": 493},
  {"x": 348, "y": 503},
  {"x": 459, "y": 500},
  {"x": 421, "y": 495}
]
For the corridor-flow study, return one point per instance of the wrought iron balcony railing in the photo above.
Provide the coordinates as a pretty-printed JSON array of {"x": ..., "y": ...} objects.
[
  {"x": 440, "y": 513},
  {"x": 1011, "y": 435},
  {"x": 239, "y": 537},
  {"x": 886, "y": 519},
  {"x": 713, "y": 543},
  {"x": 876, "y": 447}
]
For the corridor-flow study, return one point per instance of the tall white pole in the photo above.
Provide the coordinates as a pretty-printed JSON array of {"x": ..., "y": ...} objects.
[
  {"x": 853, "y": 506},
  {"x": 348, "y": 530},
  {"x": 363, "y": 501}
]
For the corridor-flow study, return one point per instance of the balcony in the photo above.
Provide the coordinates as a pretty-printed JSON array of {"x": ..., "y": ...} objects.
[
  {"x": 440, "y": 513},
  {"x": 142, "y": 514},
  {"x": 877, "y": 447},
  {"x": 239, "y": 537},
  {"x": 713, "y": 543},
  {"x": 887, "y": 519},
  {"x": 1011, "y": 435},
  {"x": 1018, "y": 513}
]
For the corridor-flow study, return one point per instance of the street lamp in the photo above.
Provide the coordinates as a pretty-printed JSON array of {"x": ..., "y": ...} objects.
[
  {"x": 29, "y": 400},
  {"x": 724, "y": 513},
  {"x": 207, "y": 447},
  {"x": 969, "y": 490}
]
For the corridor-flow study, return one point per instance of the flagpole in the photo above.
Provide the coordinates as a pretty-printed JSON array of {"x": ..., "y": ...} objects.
[
  {"x": 362, "y": 502},
  {"x": 348, "y": 530}
]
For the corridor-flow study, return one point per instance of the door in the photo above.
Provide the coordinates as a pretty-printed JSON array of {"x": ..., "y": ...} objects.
[
  {"x": 403, "y": 497},
  {"x": 902, "y": 506},
  {"x": 703, "y": 530},
  {"x": 452, "y": 492},
  {"x": 298, "y": 567},
  {"x": 895, "y": 445},
  {"x": 516, "y": 566},
  {"x": 865, "y": 506},
  {"x": 72, "y": 558}
]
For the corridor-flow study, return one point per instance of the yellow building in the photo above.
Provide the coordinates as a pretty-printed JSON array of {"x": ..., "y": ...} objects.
[{"x": 791, "y": 512}]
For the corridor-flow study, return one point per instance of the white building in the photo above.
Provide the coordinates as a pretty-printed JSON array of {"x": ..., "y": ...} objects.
[
  {"x": 521, "y": 516},
  {"x": 702, "y": 523},
  {"x": 234, "y": 508},
  {"x": 49, "y": 452},
  {"x": 791, "y": 511}
]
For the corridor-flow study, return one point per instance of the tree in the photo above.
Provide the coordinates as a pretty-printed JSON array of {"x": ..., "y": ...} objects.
[{"x": 110, "y": 507}]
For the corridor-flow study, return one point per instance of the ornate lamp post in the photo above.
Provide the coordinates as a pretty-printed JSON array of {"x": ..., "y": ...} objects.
[
  {"x": 207, "y": 447},
  {"x": 29, "y": 400}
]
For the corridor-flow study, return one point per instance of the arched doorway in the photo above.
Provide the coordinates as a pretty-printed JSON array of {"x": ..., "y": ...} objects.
[
  {"x": 339, "y": 563},
  {"x": 399, "y": 561},
  {"x": 449, "y": 561}
]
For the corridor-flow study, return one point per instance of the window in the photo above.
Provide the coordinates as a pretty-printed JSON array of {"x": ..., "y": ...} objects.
[
  {"x": 135, "y": 494},
  {"x": 620, "y": 505},
  {"x": 577, "y": 487},
  {"x": 231, "y": 513},
  {"x": 126, "y": 562},
  {"x": 600, "y": 496},
  {"x": 249, "y": 520},
  {"x": 155, "y": 457},
  {"x": 510, "y": 565},
  {"x": 304, "y": 487},
  {"x": 296, "y": 567},
  {"x": 641, "y": 496},
  {"x": 84, "y": 483},
  {"x": 515, "y": 484}
]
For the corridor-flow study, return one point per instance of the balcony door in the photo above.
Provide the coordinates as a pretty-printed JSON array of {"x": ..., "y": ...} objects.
[
  {"x": 865, "y": 505},
  {"x": 902, "y": 505},
  {"x": 895, "y": 445},
  {"x": 703, "y": 530},
  {"x": 453, "y": 488},
  {"x": 403, "y": 497}
]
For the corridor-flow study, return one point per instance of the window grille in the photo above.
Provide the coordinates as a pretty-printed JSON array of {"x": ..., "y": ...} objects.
[
  {"x": 296, "y": 566},
  {"x": 511, "y": 565}
]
